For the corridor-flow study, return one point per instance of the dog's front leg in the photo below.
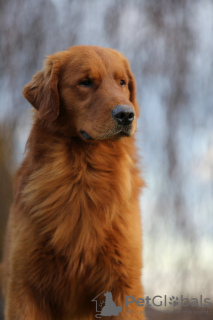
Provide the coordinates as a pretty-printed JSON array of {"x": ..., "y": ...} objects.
[{"x": 21, "y": 306}]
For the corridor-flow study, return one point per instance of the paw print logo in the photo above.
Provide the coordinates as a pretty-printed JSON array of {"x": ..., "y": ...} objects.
[
  {"x": 102, "y": 303},
  {"x": 173, "y": 301}
]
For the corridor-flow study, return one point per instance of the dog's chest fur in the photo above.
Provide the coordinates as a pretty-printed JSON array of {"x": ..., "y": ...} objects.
[{"x": 77, "y": 223}]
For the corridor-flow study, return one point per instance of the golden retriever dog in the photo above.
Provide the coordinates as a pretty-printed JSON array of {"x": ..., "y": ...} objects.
[{"x": 74, "y": 231}]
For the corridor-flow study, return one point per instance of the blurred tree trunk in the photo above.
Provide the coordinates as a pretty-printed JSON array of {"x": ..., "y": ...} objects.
[{"x": 6, "y": 158}]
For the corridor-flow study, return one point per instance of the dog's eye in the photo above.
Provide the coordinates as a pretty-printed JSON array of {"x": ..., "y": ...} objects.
[
  {"x": 122, "y": 82},
  {"x": 86, "y": 83}
]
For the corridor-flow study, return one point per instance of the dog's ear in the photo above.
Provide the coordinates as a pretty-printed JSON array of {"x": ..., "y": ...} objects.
[
  {"x": 42, "y": 90},
  {"x": 132, "y": 87}
]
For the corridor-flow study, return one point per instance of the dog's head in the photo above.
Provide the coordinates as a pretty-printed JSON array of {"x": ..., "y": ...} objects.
[{"x": 86, "y": 91}]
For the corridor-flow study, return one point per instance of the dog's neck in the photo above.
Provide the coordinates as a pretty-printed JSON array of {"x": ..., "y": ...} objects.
[{"x": 77, "y": 178}]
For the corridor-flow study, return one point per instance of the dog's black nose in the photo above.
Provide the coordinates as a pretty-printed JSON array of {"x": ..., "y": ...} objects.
[{"x": 123, "y": 114}]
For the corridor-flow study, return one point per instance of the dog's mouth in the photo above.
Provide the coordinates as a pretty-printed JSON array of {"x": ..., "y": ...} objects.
[
  {"x": 85, "y": 135},
  {"x": 112, "y": 135}
]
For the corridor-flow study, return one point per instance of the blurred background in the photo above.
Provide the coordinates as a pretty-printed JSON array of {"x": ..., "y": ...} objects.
[{"x": 170, "y": 48}]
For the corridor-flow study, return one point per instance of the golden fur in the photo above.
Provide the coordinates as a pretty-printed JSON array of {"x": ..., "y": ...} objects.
[{"x": 74, "y": 229}]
